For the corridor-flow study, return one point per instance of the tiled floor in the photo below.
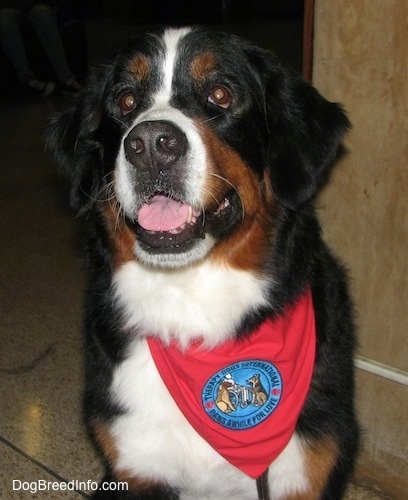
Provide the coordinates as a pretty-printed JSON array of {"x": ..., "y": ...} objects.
[{"x": 41, "y": 434}]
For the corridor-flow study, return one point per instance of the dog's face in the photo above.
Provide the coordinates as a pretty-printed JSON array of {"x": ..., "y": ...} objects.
[{"x": 191, "y": 142}]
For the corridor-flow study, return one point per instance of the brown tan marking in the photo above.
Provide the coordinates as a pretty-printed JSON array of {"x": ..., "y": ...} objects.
[
  {"x": 104, "y": 440},
  {"x": 139, "y": 67},
  {"x": 122, "y": 239},
  {"x": 320, "y": 458},
  {"x": 247, "y": 246},
  {"x": 202, "y": 66},
  {"x": 106, "y": 444}
]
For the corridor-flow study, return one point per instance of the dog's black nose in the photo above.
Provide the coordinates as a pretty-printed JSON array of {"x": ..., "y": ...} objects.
[{"x": 155, "y": 145}]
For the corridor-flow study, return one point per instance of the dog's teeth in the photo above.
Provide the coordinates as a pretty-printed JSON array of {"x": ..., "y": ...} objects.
[
  {"x": 190, "y": 215},
  {"x": 178, "y": 229}
]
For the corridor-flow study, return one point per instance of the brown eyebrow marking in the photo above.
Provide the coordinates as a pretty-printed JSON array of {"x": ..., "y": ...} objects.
[
  {"x": 139, "y": 67},
  {"x": 203, "y": 65}
]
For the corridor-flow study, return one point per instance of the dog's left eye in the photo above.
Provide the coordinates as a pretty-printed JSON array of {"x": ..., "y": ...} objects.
[
  {"x": 220, "y": 96},
  {"x": 127, "y": 102}
]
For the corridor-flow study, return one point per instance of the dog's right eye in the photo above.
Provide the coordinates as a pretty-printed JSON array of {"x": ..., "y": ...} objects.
[
  {"x": 127, "y": 102},
  {"x": 220, "y": 96}
]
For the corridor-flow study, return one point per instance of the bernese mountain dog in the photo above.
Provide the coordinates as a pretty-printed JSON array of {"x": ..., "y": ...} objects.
[{"x": 219, "y": 332}]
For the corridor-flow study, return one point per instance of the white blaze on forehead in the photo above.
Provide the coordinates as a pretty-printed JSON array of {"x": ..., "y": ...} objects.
[
  {"x": 195, "y": 161},
  {"x": 171, "y": 39}
]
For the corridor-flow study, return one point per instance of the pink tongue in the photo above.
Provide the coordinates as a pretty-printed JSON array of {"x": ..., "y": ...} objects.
[{"x": 163, "y": 214}]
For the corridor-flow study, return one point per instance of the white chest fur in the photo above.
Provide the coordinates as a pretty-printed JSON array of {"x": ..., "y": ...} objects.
[
  {"x": 155, "y": 441},
  {"x": 204, "y": 300},
  {"x": 153, "y": 438}
]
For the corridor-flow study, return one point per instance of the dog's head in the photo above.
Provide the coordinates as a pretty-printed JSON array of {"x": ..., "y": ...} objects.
[{"x": 188, "y": 142}]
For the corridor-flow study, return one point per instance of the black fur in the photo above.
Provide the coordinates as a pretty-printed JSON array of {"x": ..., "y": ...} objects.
[{"x": 280, "y": 124}]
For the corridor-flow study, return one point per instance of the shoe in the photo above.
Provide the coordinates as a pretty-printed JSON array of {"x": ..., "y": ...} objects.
[
  {"x": 71, "y": 87},
  {"x": 37, "y": 87}
]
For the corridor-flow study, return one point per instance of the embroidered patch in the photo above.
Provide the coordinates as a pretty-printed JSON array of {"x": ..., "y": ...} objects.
[{"x": 243, "y": 394}]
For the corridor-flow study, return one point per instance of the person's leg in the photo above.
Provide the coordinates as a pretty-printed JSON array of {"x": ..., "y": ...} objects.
[
  {"x": 12, "y": 42},
  {"x": 11, "y": 39},
  {"x": 42, "y": 18}
]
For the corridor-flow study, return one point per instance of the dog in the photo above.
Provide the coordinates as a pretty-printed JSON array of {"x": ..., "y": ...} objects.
[
  {"x": 195, "y": 159},
  {"x": 257, "y": 389},
  {"x": 223, "y": 400}
]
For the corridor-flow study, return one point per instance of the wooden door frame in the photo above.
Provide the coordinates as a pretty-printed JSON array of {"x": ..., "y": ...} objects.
[{"x": 308, "y": 32}]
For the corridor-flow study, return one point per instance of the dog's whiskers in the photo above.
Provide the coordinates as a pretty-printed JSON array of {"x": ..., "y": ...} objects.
[
  {"x": 100, "y": 196},
  {"x": 121, "y": 122},
  {"x": 211, "y": 119},
  {"x": 234, "y": 188},
  {"x": 110, "y": 197},
  {"x": 207, "y": 191},
  {"x": 106, "y": 194}
]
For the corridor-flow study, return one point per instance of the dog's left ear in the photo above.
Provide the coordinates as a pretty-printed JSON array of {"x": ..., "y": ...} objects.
[
  {"x": 305, "y": 132},
  {"x": 73, "y": 139}
]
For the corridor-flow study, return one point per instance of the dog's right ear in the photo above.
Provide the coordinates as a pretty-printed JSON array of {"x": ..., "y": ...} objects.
[{"x": 72, "y": 139}]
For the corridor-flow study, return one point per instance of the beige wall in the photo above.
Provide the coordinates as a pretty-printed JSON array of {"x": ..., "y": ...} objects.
[{"x": 361, "y": 60}]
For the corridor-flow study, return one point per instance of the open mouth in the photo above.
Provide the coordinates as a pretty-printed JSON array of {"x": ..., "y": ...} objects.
[{"x": 165, "y": 224}]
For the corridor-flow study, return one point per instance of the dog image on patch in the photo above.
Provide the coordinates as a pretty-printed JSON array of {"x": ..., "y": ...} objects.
[
  {"x": 223, "y": 400},
  {"x": 257, "y": 390},
  {"x": 195, "y": 158}
]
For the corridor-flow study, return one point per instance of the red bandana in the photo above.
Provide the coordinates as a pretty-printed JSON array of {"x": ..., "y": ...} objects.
[{"x": 244, "y": 397}]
